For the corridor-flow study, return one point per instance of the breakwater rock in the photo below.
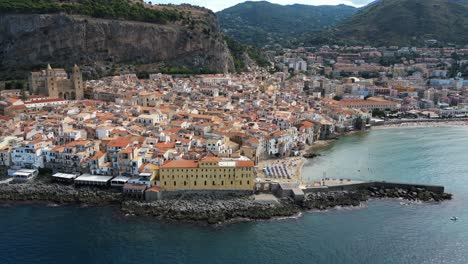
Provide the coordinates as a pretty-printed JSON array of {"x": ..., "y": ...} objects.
[
  {"x": 331, "y": 199},
  {"x": 211, "y": 210},
  {"x": 57, "y": 193},
  {"x": 326, "y": 200},
  {"x": 413, "y": 193}
]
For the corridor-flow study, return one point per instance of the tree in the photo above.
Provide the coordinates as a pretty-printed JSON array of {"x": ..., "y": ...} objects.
[
  {"x": 378, "y": 113},
  {"x": 23, "y": 95},
  {"x": 358, "y": 123},
  {"x": 337, "y": 97}
]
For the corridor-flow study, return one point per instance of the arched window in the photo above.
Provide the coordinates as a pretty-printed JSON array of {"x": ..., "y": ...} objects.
[
  {"x": 248, "y": 182},
  {"x": 214, "y": 183},
  {"x": 222, "y": 183},
  {"x": 175, "y": 184},
  {"x": 205, "y": 183},
  {"x": 165, "y": 183},
  {"x": 232, "y": 182},
  {"x": 195, "y": 183}
]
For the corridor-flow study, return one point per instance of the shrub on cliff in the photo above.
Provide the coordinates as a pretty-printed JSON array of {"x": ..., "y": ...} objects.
[{"x": 110, "y": 9}]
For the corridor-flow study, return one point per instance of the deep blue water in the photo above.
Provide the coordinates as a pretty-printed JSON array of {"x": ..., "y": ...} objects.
[{"x": 380, "y": 232}]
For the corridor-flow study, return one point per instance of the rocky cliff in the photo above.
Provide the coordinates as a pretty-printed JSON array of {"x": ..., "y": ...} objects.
[{"x": 100, "y": 46}]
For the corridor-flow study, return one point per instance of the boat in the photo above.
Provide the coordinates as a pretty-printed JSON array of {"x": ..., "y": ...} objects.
[{"x": 454, "y": 218}]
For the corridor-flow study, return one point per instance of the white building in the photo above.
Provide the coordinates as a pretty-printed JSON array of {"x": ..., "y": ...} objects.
[{"x": 28, "y": 156}]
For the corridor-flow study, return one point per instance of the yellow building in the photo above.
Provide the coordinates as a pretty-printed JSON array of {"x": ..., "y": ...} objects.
[{"x": 207, "y": 174}]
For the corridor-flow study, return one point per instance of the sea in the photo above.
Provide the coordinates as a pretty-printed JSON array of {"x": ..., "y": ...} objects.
[{"x": 380, "y": 231}]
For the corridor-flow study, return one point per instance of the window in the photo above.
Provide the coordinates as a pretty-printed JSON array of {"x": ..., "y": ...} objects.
[
  {"x": 165, "y": 183},
  {"x": 205, "y": 183},
  {"x": 222, "y": 183},
  {"x": 185, "y": 183},
  {"x": 214, "y": 183},
  {"x": 232, "y": 182},
  {"x": 175, "y": 184},
  {"x": 195, "y": 183},
  {"x": 248, "y": 182},
  {"x": 240, "y": 182}
]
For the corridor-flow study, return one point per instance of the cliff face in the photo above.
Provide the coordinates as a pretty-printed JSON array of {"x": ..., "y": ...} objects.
[{"x": 30, "y": 41}]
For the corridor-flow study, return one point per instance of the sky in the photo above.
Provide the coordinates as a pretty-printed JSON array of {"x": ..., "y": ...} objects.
[{"x": 218, "y": 5}]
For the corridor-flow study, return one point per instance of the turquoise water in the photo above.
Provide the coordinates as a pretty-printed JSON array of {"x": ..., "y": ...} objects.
[{"x": 380, "y": 232}]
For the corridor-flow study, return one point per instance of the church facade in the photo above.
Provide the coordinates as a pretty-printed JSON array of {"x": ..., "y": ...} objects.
[{"x": 56, "y": 83}]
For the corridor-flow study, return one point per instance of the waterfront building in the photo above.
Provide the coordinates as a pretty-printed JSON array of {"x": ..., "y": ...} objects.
[
  {"x": 70, "y": 158},
  {"x": 28, "y": 155},
  {"x": 370, "y": 104},
  {"x": 207, "y": 174},
  {"x": 93, "y": 180}
]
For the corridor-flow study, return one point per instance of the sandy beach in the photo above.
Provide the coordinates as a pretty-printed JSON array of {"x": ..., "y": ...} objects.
[
  {"x": 423, "y": 124},
  {"x": 295, "y": 164}
]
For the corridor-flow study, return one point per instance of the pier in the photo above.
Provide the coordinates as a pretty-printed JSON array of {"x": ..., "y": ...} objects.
[
  {"x": 351, "y": 185},
  {"x": 370, "y": 188}
]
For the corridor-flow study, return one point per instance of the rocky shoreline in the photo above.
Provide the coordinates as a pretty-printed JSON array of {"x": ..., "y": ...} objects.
[
  {"x": 212, "y": 211},
  {"x": 210, "y": 208},
  {"x": 58, "y": 193},
  {"x": 215, "y": 210}
]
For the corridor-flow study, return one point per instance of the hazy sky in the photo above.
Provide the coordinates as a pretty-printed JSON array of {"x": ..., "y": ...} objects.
[{"x": 217, "y": 5}]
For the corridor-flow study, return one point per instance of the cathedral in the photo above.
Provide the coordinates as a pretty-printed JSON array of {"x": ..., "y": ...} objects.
[{"x": 56, "y": 83}]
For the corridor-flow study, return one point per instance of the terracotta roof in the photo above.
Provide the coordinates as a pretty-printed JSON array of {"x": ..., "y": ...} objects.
[
  {"x": 119, "y": 143},
  {"x": 16, "y": 107},
  {"x": 210, "y": 159},
  {"x": 153, "y": 189},
  {"x": 126, "y": 151},
  {"x": 98, "y": 155},
  {"x": 180, "y": 164},
  {"x": 245, "y": 163}
]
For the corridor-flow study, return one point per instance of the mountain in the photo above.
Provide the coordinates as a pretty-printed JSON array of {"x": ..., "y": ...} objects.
[
  {"x": 109, "y": 36},
  {"x": 403, "y": 22},
  {"x": 260, "y": 23}
]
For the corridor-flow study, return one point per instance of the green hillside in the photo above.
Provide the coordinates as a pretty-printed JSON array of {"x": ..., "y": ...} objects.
[
  {"x": 111, "y": 9},
  {"x": 260, "y": 23},
  {"x": 404, "y": 22}
]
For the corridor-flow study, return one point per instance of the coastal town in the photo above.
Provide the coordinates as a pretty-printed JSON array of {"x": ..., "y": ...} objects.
[
  {"x": 247, "y": 132},
  {"x": 240, "y": 131}
]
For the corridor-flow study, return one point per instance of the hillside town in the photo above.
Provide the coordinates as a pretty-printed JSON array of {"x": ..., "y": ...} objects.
[{"x": 219, "y": 131}]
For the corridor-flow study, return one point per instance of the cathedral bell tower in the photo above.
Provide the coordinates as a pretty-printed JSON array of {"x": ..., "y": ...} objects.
[
  {"x": 78, "y": 84},
  {"x": 51, "y": 82}
]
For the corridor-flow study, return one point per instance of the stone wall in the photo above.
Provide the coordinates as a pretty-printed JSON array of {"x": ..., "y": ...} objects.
[{"x": 381, "y": 185}]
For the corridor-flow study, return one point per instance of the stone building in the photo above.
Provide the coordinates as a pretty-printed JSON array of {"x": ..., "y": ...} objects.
[
  {"x": 56, "y": 83},
  {"x": 207, "y": 174}
]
